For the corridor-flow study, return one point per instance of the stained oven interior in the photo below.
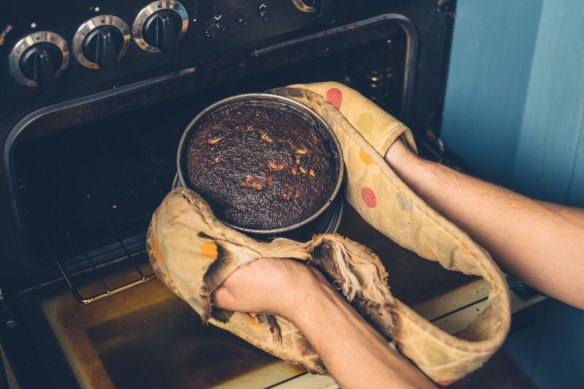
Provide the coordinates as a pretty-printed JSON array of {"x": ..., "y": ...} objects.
[{"x": 86, "y": 194}]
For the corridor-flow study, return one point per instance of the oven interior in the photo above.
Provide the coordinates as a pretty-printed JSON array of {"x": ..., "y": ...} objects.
[{"x": 86, "y": 194}]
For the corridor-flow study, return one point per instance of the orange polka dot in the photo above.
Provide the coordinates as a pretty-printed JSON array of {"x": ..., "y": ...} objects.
[
  {"x": 209, "y": 249},
  {"x": 429, "y": 253},
  {"x": 365, "y": 157},
  {"x": 369, "y": 197},
  {"x": 155, "y": 248},
  {"x": 335, "y": 97},
  {"x": 464, "y": 249},
  {"x": 365, "y": 124},
  {"x": 253, "y": 319}
]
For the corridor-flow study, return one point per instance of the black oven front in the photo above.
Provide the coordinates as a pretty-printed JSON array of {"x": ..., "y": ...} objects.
[{"x": 88, "y": 153}]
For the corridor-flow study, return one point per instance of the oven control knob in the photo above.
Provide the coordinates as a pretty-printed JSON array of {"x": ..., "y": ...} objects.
[
  {"x": 39, "y": 58},
  {"x": 162, "y": 30},
  {"x": 101, "y": 42},
  {"x": 160, "y": 26}
]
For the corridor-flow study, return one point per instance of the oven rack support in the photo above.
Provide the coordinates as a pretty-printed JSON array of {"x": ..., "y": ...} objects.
[
  {"x": 92, "y": 272},
  {"x": 107, "y": 290}
]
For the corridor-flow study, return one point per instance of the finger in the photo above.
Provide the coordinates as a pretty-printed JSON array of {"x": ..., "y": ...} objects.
[{"x": 223, "y": 298}]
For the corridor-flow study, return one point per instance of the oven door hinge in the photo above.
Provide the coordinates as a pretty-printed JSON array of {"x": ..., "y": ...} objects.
[{"x": 5, "y": 314}]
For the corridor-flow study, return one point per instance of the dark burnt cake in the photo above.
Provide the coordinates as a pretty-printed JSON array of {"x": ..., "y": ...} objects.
[{"x": 261, "y": 164}]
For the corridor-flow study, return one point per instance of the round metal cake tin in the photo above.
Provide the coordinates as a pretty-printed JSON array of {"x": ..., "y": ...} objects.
[{"x": 255, "y": 97}]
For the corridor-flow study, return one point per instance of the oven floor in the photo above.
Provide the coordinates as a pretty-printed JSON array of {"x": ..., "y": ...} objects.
[{"x": 147, "y": 338}]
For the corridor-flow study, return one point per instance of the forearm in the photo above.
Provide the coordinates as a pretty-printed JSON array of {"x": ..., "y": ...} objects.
[
  {"x": 352, "y": 351},
  {"x": 540, "y": 243}
]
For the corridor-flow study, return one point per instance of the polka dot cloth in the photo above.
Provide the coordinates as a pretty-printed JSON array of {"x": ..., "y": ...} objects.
[
  {"x": 403, "y": 201},
  {"x": 335, "y": 97},
  {"x": 366, "y": 132},
  {"x": 365, "y": 158},
  {"x": 365, "y": 124},
  {"x": 209, "y": 250},
  {"x": 369, "y": 197},
  {"x": 429, "y": 253}
]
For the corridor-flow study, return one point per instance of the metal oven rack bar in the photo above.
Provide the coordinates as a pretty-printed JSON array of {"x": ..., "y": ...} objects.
[{"x": 95, "y": 269}]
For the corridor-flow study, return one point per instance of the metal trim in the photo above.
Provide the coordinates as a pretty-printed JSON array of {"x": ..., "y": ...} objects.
[
  {"x": 27, "y": 42},
  {"x": 92, "y": 24},
  {"x": 150, "y": 10}
]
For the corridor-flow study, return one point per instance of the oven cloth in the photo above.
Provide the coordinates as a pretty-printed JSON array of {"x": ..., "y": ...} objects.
[{"x": 192, "y": 252}]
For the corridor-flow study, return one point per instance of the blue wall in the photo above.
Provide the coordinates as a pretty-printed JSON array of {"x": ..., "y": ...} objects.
[
  {"x": 514, "y": 114},
  {"x": 549, "y": 162},
  {"x": 489, "y": 74},
  {"x": 515, "y": 98}
]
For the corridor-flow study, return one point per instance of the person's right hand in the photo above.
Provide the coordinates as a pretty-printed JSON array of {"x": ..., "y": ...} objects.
[{"x": 274, "y": 286}]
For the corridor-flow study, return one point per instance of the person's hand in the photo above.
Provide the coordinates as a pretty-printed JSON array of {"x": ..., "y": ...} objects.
[
  {"x": 398, "y": 153},
  {"x": 274, "y": 286}
]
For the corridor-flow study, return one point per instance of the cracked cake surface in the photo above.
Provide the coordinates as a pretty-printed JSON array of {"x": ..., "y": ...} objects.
[{"x": 261, "y": 164}]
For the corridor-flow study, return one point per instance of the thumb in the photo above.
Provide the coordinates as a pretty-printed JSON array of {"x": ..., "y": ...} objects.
[{"x": 223, "y": 298}]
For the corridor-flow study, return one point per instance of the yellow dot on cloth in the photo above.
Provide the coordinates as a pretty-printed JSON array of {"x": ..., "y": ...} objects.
[
  {"x": 365, "y": 124},
  {"x": 437, "y": 357},
  {"x": 209, "y": 249},
  {"x": 365, "y": 157},
  {"x": 429, "y": 253}
]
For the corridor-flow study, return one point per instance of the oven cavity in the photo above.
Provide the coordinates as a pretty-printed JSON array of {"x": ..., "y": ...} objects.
[{"x": 87, "y": 192}]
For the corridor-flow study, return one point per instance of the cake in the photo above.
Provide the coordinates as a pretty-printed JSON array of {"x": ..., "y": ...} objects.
[{"x": 261, "y": 164}]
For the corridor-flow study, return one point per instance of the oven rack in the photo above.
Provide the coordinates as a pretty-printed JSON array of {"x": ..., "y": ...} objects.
[{"x": 97, "y": 274}]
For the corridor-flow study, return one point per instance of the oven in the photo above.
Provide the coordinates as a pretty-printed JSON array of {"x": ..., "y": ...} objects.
[{"x": 93, "y": 99}]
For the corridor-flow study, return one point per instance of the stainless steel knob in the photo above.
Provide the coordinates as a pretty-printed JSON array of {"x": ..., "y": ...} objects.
[
  {"x": 160, "y": 26},
  {"x": 101, "y": 42},
  {"x": 39, "y": 59}
]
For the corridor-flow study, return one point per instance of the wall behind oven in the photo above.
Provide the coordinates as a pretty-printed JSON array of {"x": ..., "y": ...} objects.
[{"x": 514, "y": 114}]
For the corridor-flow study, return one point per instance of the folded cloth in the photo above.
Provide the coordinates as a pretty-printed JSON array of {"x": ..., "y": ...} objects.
[
  {"x": 378, "y": 128},
  {"x": 193, "y": 253}
]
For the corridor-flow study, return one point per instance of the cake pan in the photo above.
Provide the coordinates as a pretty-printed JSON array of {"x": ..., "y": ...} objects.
[{"x": 266, "y": 97}]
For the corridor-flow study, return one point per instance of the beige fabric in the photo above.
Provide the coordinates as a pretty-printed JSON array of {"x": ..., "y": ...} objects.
[{"x": 192, "y": 252}]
